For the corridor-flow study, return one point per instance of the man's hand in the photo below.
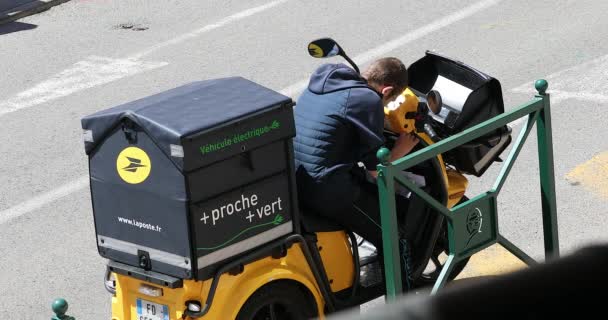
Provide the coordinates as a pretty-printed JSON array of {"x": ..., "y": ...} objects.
[{"x": 404, "y": 144}]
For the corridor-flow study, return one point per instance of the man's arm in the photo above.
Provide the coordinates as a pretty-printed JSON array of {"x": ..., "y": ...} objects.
[
  {"x": 365, "y": 112},
  {"x": 403, "y": 145}
]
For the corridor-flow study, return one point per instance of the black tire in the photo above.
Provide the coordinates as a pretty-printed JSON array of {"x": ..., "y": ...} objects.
[
  {"x": 281, "y": 300},
  {"x": 441, "y": 247},
  {"x": 429, "y": 278}
]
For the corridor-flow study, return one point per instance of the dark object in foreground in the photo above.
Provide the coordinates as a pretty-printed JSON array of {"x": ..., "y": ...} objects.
[
  {"x": 569, "y": 283},
  {"x": 572, "y": 284}
]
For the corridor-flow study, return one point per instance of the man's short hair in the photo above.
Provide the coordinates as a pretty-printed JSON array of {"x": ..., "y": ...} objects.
[{"x": 388, "y": 71}]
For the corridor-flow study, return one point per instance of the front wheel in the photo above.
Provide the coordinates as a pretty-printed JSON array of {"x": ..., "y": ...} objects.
[
  {"x": 438, "y": 258},
  {"x": 279, "y": 301},
  {"x": 437, "y": 262}
]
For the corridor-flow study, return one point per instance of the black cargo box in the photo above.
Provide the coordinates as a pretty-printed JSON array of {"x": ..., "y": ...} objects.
[
  {"x": 184, "y": 180},
  {"x": 469, "y": 97}
]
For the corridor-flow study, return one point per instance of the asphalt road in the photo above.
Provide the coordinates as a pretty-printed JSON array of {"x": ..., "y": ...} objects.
[{"x": 75, "y": 59}]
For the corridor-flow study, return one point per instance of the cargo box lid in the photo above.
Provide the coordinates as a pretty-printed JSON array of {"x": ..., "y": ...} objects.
[{"x": 169, "y": 116}]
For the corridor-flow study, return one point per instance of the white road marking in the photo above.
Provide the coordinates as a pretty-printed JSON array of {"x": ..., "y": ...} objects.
[
  {"x": 295, "y": 89},
  {"x": 425, "y": 30},
  {"x": 376, "y": 52},
  {"x": 292, "y": 90},
  {"x": 233, "y": 18},
  {"x": 587, "y": 81},
  {"x": 85, "y": 74},
  {"x": 43, "y": 199},
  {"x": 95, "y": 71},
  {"x": 559, "y": 95},
  {"x": 517, "y": 122}
]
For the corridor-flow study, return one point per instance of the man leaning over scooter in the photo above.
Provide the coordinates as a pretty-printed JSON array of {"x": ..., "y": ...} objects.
[{"x": 339, "y": 123}]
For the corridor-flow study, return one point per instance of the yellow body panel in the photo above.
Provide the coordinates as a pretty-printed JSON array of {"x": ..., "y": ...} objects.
[
  {"x": 231, "y": 293},
  {"x": 394, "y": 112},
  {"x": 335, "y": 250},
  {"x": 457, "y": 186},
  {"x": 394, "y": 116},
  {"x": 456, "y": 182},
  {"x": 124, "y": 303}
]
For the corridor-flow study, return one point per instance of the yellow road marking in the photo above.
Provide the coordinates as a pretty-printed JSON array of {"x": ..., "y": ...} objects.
[
  {"x": 592, "y": 175},
  {"x": 494, "y": 260}
]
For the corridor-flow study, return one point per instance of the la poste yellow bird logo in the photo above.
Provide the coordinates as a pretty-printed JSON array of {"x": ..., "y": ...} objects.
[{"x": 133, "y": 165}]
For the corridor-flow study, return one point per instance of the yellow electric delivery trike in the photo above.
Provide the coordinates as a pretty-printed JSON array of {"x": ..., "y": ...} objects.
[{"x": 195, "y": 202}]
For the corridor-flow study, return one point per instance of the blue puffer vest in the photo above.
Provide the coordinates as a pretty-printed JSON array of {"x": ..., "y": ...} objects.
[{"x": 339, "y": 122}]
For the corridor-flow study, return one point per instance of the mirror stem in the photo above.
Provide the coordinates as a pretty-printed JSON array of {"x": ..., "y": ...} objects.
[{"x": 352, "y": 63}]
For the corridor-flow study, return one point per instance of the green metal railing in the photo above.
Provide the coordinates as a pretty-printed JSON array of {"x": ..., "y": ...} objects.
[{"x": 472, "y": 225}]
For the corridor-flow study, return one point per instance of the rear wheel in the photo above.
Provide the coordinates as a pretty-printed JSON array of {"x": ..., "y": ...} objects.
[{"x": 279, "y": 301}]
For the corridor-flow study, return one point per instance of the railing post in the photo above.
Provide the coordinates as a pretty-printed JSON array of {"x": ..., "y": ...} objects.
[
  {"x": 547, "y": 174},
  {"x": 60, "y": 307},
  {"x": 388, "y": 221}
]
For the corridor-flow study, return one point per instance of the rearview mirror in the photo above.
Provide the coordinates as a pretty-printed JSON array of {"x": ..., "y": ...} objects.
[
  {"x": 324, "y": 48},
  {"x": 328, "y": 47}
]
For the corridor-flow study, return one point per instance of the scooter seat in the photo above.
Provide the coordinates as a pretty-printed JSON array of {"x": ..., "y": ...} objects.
[{"x": 313, "y": 222}]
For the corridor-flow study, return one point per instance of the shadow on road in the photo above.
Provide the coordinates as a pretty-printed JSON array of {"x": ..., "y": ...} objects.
[
  {"x": 9, "y": 6},
  {"x": 16, "y": 27}
]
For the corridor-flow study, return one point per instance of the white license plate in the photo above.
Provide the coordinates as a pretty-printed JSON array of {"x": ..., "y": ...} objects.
[{"x": 147, "y": 310}]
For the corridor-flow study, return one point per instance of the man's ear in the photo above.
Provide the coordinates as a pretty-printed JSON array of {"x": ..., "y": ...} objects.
[{"x": 387, "y": 91}]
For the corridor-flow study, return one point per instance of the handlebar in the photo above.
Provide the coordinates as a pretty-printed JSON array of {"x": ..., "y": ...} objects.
[{"x": 428, "y": 129}]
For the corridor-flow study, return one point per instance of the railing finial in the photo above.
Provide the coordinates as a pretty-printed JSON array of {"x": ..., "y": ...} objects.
[
  {"x": 60, "y": 307},
  {"x": 383, "y": 155},
  {"x": 541, "y": 86}
]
